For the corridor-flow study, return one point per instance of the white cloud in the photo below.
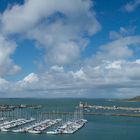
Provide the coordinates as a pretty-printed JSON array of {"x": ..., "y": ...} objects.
[
  {"x": 31, "y": 78},
  {"x": 100, "y": 74},
  {"x": 131, "y": 6},
  {"x": 7, "y": 66},
  {"x": 60, "y": 29},
  {"x": 31, "y": 81},
  {"x": 63, "y": 54},
  {"x": 24, "y": 17},
  {"x": 114, "y": 65},
  {"x": 112, "y": 78},
  {"x": 79, "y": 75},
  {"x": 138, "y": 61},
  {"x": 57, "y": 26},
  {"x": 115, "y": 77},
  {"x": 119, "y": 49},
  {"x": 57, "y": 68},
  {"x": 3, "y": 85},
  {"x": 123, "y": 32},
  {"x": 28, "y": 81}
]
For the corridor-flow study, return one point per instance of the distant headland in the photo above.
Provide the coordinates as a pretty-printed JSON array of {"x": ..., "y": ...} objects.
[{"x": 135, "y": 99}]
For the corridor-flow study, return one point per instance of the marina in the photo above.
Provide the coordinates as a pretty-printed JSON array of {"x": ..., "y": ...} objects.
[
  {"x": 35, "y": 121},
  {"x": 100, "y": 121},
  {"x": 16, "y": 123},
  {"x": 40, "y": 127},
  {"x": 69, "y": 127},
  {"x": 2, "y": 119},
  {"x": 69, "y": 69}
]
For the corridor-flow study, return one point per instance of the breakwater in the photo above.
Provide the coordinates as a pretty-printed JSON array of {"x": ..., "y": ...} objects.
[
  {"x": 7, "y": 107},
  {"x": 93, "y": 113}
]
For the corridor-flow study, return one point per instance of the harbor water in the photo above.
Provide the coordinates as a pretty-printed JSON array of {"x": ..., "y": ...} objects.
[{"x": 99, "y": 127}]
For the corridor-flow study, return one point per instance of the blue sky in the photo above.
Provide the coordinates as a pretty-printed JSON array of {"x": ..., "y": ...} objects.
[{"x": 82, "y": 48}]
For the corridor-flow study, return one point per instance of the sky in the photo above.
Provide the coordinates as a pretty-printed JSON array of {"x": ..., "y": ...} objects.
[{"x": 69, "y": 48}]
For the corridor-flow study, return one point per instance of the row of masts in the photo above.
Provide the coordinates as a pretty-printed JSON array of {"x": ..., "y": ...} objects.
[{"x": 36, "y": 121}]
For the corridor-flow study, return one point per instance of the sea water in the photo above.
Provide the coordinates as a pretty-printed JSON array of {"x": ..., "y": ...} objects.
[{"x": 97, "y": 128}]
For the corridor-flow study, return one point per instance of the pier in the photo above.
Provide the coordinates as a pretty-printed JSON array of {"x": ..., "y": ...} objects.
[
  {"x": 94, "y": 113},
  {"x": 100, "y": 107}
]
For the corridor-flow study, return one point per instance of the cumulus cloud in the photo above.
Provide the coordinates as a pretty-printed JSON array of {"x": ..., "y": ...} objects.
[
  {"x": 58, "y": 26},
  {"x": 119, "y": 49},
  {"x": 4, "y": 84},
  {"x": 57, "y": 68},
  {"x": 111, "y": 78},
  {"x": 115, "y": 77},
  {"x": 31, "y": 78},
  {"x": 7, "y": 66},
  {"x": 29, "y": 82},
  {"x": 63, "y": 30},
  {"x": 131, "y": 6},
  {"x": 63, "y": 54},
  {"x": 109, "y": 70}
]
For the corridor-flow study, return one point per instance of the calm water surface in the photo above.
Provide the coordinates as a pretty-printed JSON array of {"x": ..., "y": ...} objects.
[{"x": 97, "y": 128}]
